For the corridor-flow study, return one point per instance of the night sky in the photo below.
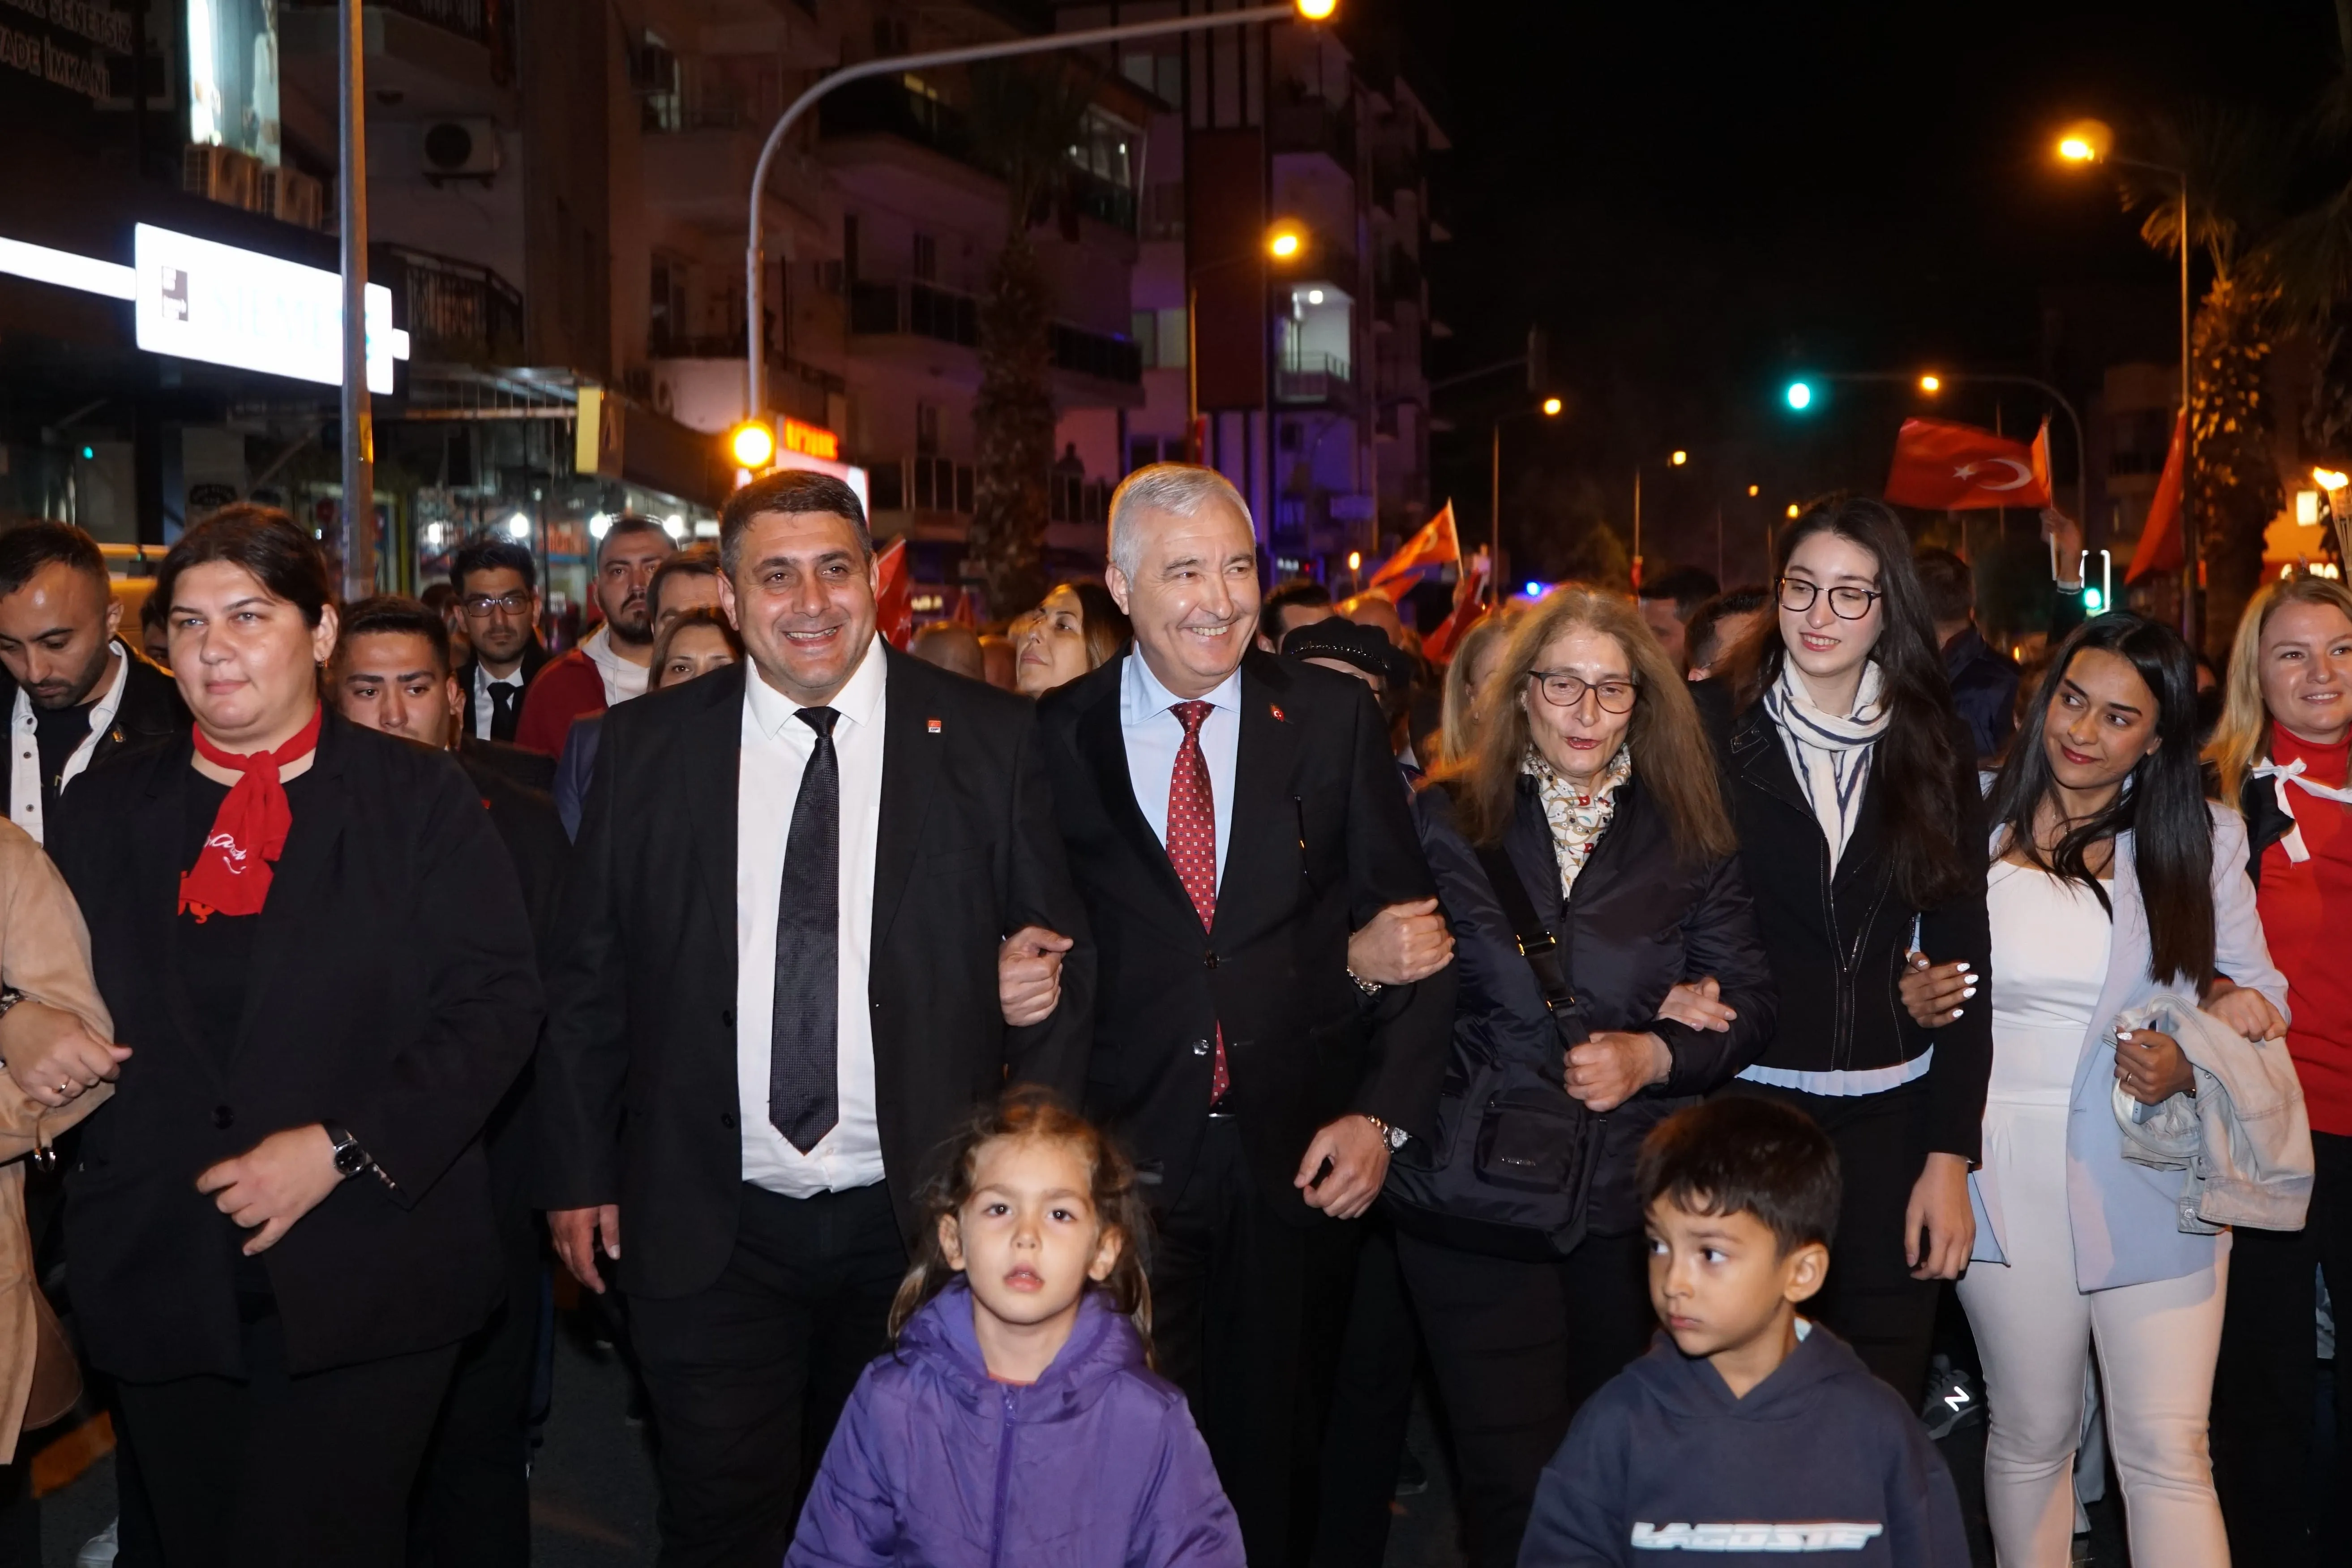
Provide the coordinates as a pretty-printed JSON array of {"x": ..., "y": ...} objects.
[{"x": 1699, "y": 201}]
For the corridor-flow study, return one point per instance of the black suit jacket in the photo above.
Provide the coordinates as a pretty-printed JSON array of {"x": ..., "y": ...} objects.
[
  {"x": 392, "y": 990},
  {"x": 528, "y": 771},
  {"x": 535, "y": 658},
  {"x": 638, "y": 1081},
  {"x": 1321, "y": 839},
  {"x": 152, "y": 710}
]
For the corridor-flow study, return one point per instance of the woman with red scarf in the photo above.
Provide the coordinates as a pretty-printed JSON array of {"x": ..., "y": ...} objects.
[
  {"x": 282, "y": 1225},
  {"x": 2281, "y": 755}
]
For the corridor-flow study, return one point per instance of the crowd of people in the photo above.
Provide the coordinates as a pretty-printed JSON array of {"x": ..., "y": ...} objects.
[{"x": 1051, "y": 1095}]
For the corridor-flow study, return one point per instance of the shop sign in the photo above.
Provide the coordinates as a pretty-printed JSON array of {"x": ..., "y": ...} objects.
[
  {"x": 198, "y": 300},
  {"x": 77, "y": 61},
  {"x": 810, "y": 440}
]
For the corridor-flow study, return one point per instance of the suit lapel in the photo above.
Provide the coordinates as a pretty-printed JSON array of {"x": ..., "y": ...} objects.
[
  {"x": 911, "y": 758},
  {"x": 156, "y": 842},
  {"x": 298, "y": 883},
  {"x": 2127, "y": 956},
  {"x": 1264, "y": 851},
  {"x": 1103, "y": 742},
  {"x": 710, "y": 759}
]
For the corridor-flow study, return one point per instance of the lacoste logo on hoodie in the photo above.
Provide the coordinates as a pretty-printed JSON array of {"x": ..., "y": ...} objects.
[{"x": 1830, "y": 1535}]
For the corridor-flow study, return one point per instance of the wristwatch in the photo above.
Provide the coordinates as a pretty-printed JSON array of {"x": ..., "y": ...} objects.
[
  {"x": 1394, "y": 1137},
  {"x": 350, "y": 1158},
  {"x": 1369, "y": 987}
]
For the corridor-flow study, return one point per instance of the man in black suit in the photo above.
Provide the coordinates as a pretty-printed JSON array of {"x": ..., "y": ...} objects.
[
  {"x": 798, "y": 944},
  {"x": 497, "y": 585},
  {"x": 1231, "y": 817},
  {"x": 77, "y": 693},
  {"x": 390, "y": 672}
]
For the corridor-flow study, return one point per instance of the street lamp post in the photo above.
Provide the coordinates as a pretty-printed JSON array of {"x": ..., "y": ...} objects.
[
  {"x": 1550, "y": 408},
  {"x": 358, "y": 417},
  {"x": 1285, "y": 242},
  {"x": 754, "y": 304},
  {"x": 2093, "y": 142}
]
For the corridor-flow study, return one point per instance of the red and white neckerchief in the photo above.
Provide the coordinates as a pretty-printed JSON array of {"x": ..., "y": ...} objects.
[
  {"x": 2282, "y": 774},
  {"x": 232, "y": 874}
]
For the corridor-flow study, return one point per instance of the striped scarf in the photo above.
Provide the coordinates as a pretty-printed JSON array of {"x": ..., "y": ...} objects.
[{"x": 1829, "y": 754}]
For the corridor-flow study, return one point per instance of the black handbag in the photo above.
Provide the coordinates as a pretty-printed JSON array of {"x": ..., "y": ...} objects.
[{"x": 1510, "y": 1171}]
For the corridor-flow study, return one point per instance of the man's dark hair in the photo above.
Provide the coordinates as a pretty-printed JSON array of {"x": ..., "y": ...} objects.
[
  {"x": 488, "y": 553},
  {"x": 699, "y": 561},
  {"x": 1687, "y": 586},
  {"x": 623, "y": 525},
  {"x": 397, "y": 614},
  {"x": 282, "y": 556},
  {"x": 787, "y": 490},
  {"x": 1297, "y": 591},
  {"x": 1951, "y": 587},
  {"x": 1739, "y": 1154},
  {"x": 1698, "y": 632},
  {"x": 29, "y": 546}
]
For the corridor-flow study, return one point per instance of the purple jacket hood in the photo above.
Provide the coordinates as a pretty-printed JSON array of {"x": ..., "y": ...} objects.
[{"x": 1095, "y": 1463}]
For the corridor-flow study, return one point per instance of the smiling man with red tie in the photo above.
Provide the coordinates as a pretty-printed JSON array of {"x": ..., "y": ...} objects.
[{"x": 1231, "y": 817}]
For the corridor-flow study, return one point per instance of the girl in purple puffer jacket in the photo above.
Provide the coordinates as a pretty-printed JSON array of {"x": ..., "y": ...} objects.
[{"x": 1018, "y": 1423}]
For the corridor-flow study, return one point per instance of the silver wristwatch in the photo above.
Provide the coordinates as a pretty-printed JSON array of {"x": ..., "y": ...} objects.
[{"x": 1394, "y": 1137}]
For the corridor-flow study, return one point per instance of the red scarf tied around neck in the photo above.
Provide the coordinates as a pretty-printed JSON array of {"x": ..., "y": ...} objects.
[{"x": 231, "y": 875}]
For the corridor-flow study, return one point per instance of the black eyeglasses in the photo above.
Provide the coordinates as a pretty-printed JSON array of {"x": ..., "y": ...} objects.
[
  {"x": 1564, "y": 690},
  {"x": 1848, "y": 604},
  {"x": 480, "y": 605}
]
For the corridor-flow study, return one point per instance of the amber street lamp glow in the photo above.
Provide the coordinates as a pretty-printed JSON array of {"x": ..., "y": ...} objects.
[
  {"x": 1931, "y": 383},
  {"x": 2086, "y": 141},
  {"x": 1679, "y": 458},
  {"x": 1793, "y": 509},
  {"x": 1755, "y": 490},
  {"x": 2331, "y": 479},
  {"x": 752, "y": 443},
  {"x": 1551, "y": 407},
  {"x": 1285, "y": 241},
  {"x": 1317, "y": 10},
  {"x": 1354, "y": 561}
]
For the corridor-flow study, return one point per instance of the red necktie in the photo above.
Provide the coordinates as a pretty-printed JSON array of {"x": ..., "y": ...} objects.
[{"x": 1192, "y": 846}]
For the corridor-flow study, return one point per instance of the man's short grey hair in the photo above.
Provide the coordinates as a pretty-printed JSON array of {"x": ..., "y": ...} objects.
[{"x": 1176, "y": 489}]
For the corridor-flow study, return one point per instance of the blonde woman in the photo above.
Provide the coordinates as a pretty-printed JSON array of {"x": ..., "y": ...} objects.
[
  {"x": 2281, "y": 755},
  {"x": 1590, "y": 770},
  {"x": 1474, "y": 659}
]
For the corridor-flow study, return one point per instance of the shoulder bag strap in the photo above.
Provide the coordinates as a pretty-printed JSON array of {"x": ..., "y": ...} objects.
[{"x": 1535, "y": 944}]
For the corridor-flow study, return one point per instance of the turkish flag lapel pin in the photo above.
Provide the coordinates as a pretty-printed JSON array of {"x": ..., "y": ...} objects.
[
  {"x": 1278, "y": 714},
  {"x": 932, "y": 725}
]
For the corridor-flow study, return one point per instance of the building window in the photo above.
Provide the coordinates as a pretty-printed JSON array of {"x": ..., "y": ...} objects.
[
  {"x": 890, "y": 36},
  {"x": 661, "y": 103},
  {"x": 927, "y": 259},
  {"x": 889, "y": 484},
  {"x": 666, "y": 319}
]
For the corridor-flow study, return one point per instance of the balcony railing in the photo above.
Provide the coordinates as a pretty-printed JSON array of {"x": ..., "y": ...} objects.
[
  {"x": 887, "y": 107},
  {"x": 459, "y": 313},
  {"x": 924, "y": 311},
  {"x": 1311, "y": 378},
  {"x": 1311, "y": 125}
]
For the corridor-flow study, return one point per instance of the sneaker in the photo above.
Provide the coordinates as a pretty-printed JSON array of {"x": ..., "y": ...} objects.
[
  {"x": 98, "y": 1550},
  {"x": 1953, "y": 1400}
]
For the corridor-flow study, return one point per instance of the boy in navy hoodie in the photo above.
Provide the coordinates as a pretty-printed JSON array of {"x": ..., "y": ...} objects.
[{"x": 1747, "y": 1433}]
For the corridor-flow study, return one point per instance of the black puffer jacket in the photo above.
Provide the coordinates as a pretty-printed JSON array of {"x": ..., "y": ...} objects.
[{"x": 1640, "y": 922}]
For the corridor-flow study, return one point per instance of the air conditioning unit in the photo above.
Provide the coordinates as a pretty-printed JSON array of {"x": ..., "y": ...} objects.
[
  {"x": 222, "y": 175},
  {"x": 461, "y": 149},
  {"x": 292, "y": 196}
]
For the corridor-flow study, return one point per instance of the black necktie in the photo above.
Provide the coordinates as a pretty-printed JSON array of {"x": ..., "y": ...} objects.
[
  {"x": 804, "y": 1098},
  {"x": 506, "y": 707}
]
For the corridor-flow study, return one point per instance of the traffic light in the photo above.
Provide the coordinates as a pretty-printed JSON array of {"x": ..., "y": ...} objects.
[
  {"x": 2093, "y": 600},
  {"x": 1799, "y": 396}
]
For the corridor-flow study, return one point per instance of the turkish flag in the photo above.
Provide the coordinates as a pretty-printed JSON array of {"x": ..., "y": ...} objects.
[
  {"x": 1943, "y": 467},
  {"x": 894, "y": 607},
  {"x": 2159, "y": 537},
  {"x": 1434, "y": 545},
  {"x": 1438, "y": 646}
]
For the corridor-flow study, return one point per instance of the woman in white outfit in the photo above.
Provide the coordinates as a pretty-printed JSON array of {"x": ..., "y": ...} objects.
[{"x": 2113, "y": 880}]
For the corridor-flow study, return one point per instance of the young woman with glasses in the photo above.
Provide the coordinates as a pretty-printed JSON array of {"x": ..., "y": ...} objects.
[
  {"x": 1853, "y": 785},
  {"x": 1590, "y": 770}
]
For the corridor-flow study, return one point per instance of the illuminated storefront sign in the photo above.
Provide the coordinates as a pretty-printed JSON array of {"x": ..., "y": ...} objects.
[
  {"x": 198, "y": 300},
  {"x": 810, "y": 440}
]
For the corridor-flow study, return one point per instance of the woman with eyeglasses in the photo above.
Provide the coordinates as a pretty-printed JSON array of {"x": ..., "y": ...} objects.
[
  {"x": 1852, "y": 784},
  {"x": 1588, "y": 770}
]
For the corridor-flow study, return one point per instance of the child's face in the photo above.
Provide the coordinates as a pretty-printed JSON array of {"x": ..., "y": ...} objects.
[
  {"x": 1028, "y": 1238},
  {"x": 1720, "y": 1282}
]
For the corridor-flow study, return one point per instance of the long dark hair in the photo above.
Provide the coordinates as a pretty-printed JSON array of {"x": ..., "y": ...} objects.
[
  {"x": 2161, "y": 804},
  {"x": 1023, "y": 1114},
  {"x": 1916, "y": 770}
]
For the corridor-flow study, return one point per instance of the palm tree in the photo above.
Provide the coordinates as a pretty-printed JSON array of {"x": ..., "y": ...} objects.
[{"x": 1024, "y": 119}]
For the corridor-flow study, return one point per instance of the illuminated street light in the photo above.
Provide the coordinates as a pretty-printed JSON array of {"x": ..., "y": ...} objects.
[
  {"x": 2086, "y": 141},
  {"x": 752, "y": 443},
  {"x": 1931, "y": 383},
  {"x": 518, "y": 525},
  {"x": 1284, "y": 241},
  {"x": 1317, "y": 10},
  {"x": 1551, "y": 407},
  {"x": 1755, "y": 490},
  {"x": 1793, "y": 509},
  {"x": 1679, "y": 458},
  {"x": 1354, "y": 561}
]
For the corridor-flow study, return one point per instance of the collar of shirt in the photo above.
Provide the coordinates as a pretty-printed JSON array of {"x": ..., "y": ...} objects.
[
  {"x": 774, "y": 712},
  {"x": 485, "y": 680},
  {"x": 1142, "y": 696}
]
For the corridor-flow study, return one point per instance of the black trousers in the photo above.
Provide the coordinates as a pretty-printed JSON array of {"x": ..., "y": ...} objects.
[
  {"x": 1370, "y": 1405},
  {"x": 473, "y": 1503},
  {"x": 279, "y": 1469},
  {"x": 1870, "y": 1300},
  {"x": 2280, "y": 1508},
  {"x": 1234, "y": 1285},
  {"x": 1518, "y": 1349},
  {"x": 748, "y": 1377}
]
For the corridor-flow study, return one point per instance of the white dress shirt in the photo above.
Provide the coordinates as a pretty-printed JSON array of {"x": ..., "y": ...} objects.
[
  {"x": 484, "y": 710},
  {"x": 24, "y": 736},
  {"x": 1154, "y": 735},
  {"x": 776, "y": 748}
]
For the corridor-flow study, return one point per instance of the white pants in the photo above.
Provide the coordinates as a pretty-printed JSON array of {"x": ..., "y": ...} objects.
[{"x": 2155, "y": 1344}]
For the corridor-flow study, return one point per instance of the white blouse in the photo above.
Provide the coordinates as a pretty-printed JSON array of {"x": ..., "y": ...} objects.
[{"x": 2050, "y": 940}]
